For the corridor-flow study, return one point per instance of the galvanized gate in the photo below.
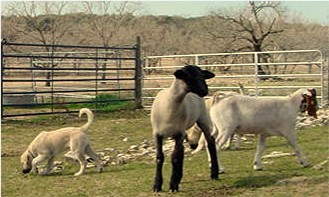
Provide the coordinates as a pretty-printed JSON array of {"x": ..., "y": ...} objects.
[
  {"x": 50, "y": 79},
  {"x": 262, "y": 74}
]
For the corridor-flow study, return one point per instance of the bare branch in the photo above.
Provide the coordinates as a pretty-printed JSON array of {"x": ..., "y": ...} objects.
[{"x": 253, "y": 25}]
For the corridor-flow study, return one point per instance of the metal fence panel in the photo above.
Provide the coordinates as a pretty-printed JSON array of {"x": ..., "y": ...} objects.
[
  {"x": 262, "y": 74},
  {"x": 50, "y": 79}
]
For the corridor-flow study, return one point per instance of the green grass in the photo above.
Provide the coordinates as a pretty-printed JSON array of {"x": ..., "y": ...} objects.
[{"x": 135, "y": 178}]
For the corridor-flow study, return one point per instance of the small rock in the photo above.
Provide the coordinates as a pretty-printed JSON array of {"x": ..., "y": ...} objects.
[{"x": 320, "y": 165}]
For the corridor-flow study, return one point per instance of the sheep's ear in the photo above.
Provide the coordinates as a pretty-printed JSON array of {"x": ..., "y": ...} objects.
[
  {"x": 208, "y": 74},
  {"x": 179, "y": 74}
]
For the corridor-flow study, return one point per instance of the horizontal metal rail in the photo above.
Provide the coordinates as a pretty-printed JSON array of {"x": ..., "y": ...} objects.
[
  {"x": 252, "y": 75},
  {"x": 237, "y": 65},
  {"x": 65, "y": 69},
  {"x": 68, "y": 46},
  {"x": 91, "y": 65},
  {"x": 65, "y": 103},
  {"x": 67, "y": 57},
  {"x": 235, "y": 53},
  {"x": 66, "y": 91},
  {"x": 65, "y": 80}
]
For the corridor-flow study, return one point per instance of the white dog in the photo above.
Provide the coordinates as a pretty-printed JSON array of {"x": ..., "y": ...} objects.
[{"x": 49, "y": 144}]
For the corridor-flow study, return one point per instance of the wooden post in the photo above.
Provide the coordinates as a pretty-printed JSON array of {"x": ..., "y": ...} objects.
[{"x": 138, "y": 75}]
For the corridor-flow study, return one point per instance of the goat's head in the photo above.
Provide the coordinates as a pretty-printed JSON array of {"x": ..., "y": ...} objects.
[
  {"x": 309, "y": 102},
  {"x": 195, "y": 79}
]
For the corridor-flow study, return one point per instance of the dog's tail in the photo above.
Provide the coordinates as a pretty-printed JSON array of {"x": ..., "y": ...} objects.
[{"x": 90, "y": 118}]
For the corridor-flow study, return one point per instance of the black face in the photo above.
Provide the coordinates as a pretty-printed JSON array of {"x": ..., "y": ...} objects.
[{"x": 195, "y": 78}]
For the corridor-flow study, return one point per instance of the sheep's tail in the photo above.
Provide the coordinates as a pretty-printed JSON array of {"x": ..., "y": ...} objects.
[
  {"x": 90, "y": 116},
  {"x": 241, "y": 89}
]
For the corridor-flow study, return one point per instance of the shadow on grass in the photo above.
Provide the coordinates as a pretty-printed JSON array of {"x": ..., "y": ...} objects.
[{"x": 259, "y": 181}]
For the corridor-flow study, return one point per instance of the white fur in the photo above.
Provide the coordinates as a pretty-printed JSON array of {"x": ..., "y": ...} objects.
[
  {"x": 174, "y": 111},
  {"x": 263, "y": 116},
  {"x": 49, "y": 144}
]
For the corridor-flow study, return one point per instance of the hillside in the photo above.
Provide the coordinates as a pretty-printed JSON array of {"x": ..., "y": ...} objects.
[{"x": 160, "y": 35}]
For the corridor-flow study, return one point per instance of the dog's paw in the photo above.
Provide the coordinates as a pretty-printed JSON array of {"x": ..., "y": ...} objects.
[{"x": 77, "y": 174}]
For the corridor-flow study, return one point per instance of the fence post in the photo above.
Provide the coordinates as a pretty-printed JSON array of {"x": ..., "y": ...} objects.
[
  {"x": 326, "y": 90},
  {"x": 256, "y": 73},
  {"x": 3, "y": 42},
  {"x": 96, "y": 79},
  {"x": 138, "y": 75}
]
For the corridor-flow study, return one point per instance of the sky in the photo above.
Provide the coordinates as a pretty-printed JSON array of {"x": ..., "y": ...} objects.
[{"x": 308, "y": 11}]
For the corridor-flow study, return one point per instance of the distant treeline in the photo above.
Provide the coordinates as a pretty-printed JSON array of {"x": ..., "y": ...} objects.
[{"x": 160, "y": 35}]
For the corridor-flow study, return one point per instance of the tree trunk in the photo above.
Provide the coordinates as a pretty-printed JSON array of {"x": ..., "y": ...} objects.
[{"x": 48, "y": 79}]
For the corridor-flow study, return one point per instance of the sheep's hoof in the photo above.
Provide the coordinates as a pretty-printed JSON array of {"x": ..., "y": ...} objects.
[
  {"x": 258, "y": 168},
  {"x": 305, "y": 164},
  {"x": 157, "y": 188},
  {"x": 174, "y": 188},
  {"x": 214, "y": 176}
]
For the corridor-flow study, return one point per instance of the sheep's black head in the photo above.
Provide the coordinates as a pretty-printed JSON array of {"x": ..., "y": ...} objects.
[{"x": 195, "y": 78}]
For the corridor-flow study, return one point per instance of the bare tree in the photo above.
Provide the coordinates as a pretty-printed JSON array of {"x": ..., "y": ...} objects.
[
  {"x": 42, "y": 23},
  {"x": 249, "y": 29},
  {"x": 108, "y": 19}
]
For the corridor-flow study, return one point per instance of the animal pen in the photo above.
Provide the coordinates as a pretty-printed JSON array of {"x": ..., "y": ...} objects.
[
  {"x": 50, "y": 79},
  {"x": 261, "y": 74}
]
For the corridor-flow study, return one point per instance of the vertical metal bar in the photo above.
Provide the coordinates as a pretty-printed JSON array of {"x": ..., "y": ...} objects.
[
  {"x": 196, "y": 60},
  {"x": 256, "y": 73},
  {"x": 3, "y": 42},
  {"x": 52, "y": 79},
  {"x": 322, "y": 83},
  {"x": 96, "y": 81},
  {"x": 118, "y": 66},
  {"x": 138, "y": 76},
  {"x": 327, "y": 66}
]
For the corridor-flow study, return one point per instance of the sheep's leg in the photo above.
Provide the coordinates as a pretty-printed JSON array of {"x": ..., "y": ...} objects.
[
  {"x": 177, "y": 163},
  {"x": 238, "y": 141},
  {"x": 228, "y": 143},
  {"x": 293, "y": 143},
  {"x": 221, "y": 139},
  {"x": 201, "y": 145},
  {"x": 211, "y": 145},
  {"x": 157, "y": 187},
  {"x": 260, "y": 148}
]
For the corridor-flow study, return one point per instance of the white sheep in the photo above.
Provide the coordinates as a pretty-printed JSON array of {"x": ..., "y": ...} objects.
[
  {"x": 194, "y": 134},
  {"x": 263, "y": 116},
  {"x": 175, "y": 110}
]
